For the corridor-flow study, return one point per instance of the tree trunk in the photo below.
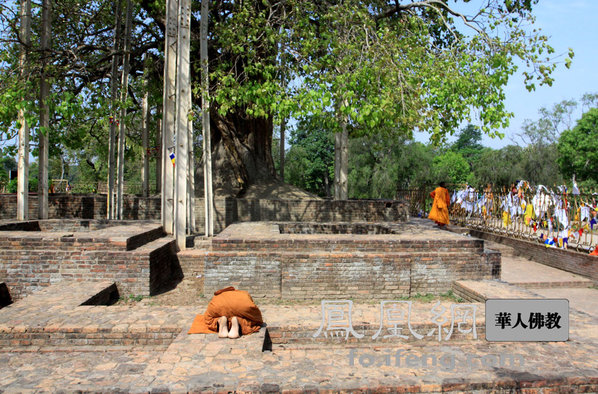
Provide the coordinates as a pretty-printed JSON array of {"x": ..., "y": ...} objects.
[
  {"x": 341, "y": 163},
  {"x": 337, "y": 165},
  {"x": 205, "y": 112},
  {"x": 158, "y": 144},
  {"x": 23, "y": 176},
  {"x": 145, "y": 135},
  {"x": 283, "y": 124},
  {"x": 344, "y": 170},
  {"x": 123, "y": 112},
  {"x": 44, "y": 89},
  {"x": 113, "y": 113},
  {"x": 241, "y": 153}
]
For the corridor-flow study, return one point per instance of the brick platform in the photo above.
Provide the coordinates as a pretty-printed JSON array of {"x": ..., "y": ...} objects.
[
  {"x": 397, "y": 260},
  {"x": 145, "y": 348},
  {"x": 130, "y": 356},
  {"x": 77, "y": 314},
  {"x": 136, "y": 255}
]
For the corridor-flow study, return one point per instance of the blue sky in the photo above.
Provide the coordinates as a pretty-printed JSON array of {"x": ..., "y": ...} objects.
[{"x": 568, "y": 24}]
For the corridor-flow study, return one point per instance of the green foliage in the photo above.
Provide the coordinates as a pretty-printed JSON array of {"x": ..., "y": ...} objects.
[
  {"x": 382, "y": 71},
  {"x": 375, "y": 67},
  {"x": 468, "y": 140},
  {"x": 451, "y": 168},
  {"x": 379, "y": 166},
  {"x": 79, "y": 77},
  {"x": 500, "y": 167},
  {"x": 578, "y": 148},
  {"x": 310, "y": 161},
  {"x": 7, "y": 164},
  {"x": 12, "y": 186}
]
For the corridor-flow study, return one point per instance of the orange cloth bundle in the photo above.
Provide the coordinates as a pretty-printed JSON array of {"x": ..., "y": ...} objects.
[{"x": 229, "y": 302}]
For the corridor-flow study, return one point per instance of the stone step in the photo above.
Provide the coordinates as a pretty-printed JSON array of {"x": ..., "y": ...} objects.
[
  {"x": 556, "y": 285},
  {"x": 58, "y": 319},
  {"x": 126, "y": 237},
  {"x": 294, "y": 325},
  {"x": 198, "y": 347},
  {"x": 144, "y": 237},
  {"x": 75, "y": 336},
  {"x": 480, "y": 291},
  {"x": 67, "y": 294},
  {"x": 348, "y": 243},
  {"x": 155, "y": 244},
  {"x": 5, "y": 298}
]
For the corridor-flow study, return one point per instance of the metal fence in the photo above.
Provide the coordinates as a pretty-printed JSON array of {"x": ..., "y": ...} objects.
[{"x": 555, "y": 219}]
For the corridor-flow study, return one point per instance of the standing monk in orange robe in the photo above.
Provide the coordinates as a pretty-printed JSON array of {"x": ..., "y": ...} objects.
[{"x": 439, "y": 212}]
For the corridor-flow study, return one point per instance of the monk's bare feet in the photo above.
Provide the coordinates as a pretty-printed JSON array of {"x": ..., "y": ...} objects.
[
  {"x": 222, "y": 327},
  {"x": 234, "y": 328}
]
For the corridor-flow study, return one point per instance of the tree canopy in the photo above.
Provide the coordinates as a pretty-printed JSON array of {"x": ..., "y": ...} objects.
[
  {"x": 578, "y": 148},
  {"x": 380, "y": 67}
]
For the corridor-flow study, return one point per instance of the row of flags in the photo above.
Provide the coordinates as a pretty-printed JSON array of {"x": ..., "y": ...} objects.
[{"x": 538, "y": 207}]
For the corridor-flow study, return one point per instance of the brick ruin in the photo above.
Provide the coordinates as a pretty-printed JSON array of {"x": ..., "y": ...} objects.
[
  {"x": 274, "y": 248},
  {"x": 357, "y": 260},
  {"x": 134, "y": 255}
]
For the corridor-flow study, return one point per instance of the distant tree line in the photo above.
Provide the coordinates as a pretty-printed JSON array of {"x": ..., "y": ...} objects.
[{"x": 548, "y": 151}]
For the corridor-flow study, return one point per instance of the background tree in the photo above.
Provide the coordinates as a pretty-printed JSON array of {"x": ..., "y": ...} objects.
[
  {"x": 578, "y": 150},
  {"x": 500, "y": 167},
  {"x": 407, "y": 66},
  {"x": 377, "y": 66},
  {"x": 379, "y": 166},
  {"x": 78, "y": 68},
  {"x": 451, "y": 168},
  {"x": 310, "y": 160}
]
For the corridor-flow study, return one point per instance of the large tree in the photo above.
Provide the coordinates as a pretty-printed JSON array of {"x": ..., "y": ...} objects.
[{"x": 361, "y": 66}]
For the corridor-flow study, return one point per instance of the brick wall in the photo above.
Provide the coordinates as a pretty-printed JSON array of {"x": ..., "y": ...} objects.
[
  {"x": 83, "y": 206},
  {"x": 227, "y": 210},
  {"x": 256, "y": 258},
  {"x": 141, "y": 262},
  {"x": 319, "y": 210},
  {"x": 564, "y": 259}
]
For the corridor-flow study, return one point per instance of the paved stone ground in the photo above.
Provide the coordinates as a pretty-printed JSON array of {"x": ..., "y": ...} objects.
[{"x": 205, "y": 363}]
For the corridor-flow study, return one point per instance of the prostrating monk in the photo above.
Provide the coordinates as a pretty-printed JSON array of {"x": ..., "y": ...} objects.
[
  {"x": 230, "y": 313},
  {"x": 439, "y": 212}
]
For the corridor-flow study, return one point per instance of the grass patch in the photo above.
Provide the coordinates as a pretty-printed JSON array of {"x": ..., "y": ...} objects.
[
  {"x": 425, "y": 298},
  {"x": 448, "y": 296},
  {"x": 131, "y": 299}
]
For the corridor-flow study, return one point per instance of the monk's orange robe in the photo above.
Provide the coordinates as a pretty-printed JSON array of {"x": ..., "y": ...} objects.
[
  {"x": 439, "y": 212},
  {"x": 229, "y": 302}
]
